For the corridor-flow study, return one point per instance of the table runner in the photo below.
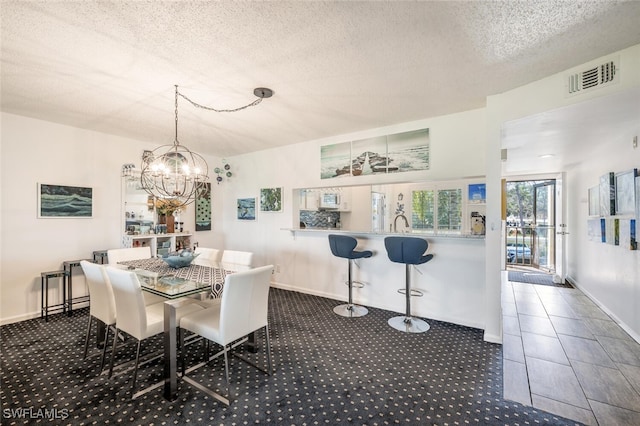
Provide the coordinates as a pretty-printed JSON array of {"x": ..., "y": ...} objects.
[{"x": 214, "y": 277}]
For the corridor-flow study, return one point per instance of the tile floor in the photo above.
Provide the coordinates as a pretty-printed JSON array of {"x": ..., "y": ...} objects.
[{"x": 564, "y": 355}]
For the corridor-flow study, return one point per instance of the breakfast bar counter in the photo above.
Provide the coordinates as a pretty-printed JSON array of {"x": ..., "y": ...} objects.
[{"x": 453, "y": 283}]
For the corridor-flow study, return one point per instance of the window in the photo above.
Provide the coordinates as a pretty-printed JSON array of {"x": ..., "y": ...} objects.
[
  {"x": 438, "y": 210},
  {"x": 423, "y": 206}
]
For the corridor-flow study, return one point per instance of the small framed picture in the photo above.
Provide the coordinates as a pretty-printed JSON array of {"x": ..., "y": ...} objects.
[
  {"x": 477, "y": 193},
  {"x": 626, "y": 192},
  {"x": 61, "y": 201},
  {"x": 246, "y": 208},
  {"x": 607, "y": 195},
  {"x": 271, "y": 199},
  {"x": 594, "y": 201}
]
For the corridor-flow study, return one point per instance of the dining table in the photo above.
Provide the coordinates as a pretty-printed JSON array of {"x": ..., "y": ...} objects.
[{"x": 176, "y": 285}]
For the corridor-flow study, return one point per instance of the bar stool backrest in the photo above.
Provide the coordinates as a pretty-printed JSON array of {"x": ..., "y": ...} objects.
[
  {"x": 407, "y": 250},
  {"x": 343, "y": 245}
]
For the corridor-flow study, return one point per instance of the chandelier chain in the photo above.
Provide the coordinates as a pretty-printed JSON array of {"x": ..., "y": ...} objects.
[
  {"x": 175, "y": 142},
  {"x": 197, "y": 105}
]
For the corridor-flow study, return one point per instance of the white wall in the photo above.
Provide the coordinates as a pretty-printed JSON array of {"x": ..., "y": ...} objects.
[
  {"x": 462, "y": 145},
  {"x": 610, "y": 276},
  {"x": 453, "y": 280},
  {"x": 35, "y": 151}
]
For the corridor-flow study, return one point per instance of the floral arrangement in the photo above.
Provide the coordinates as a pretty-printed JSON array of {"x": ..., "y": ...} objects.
[{"x": 167, "y": 206}]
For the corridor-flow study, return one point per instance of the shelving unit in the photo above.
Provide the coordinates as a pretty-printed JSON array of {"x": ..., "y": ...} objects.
[{"x": 157, "y": 242}]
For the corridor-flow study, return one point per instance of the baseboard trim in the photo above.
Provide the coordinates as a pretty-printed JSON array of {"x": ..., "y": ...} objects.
[
  {"x": 312, "y": 292},
  {"x": 33, "y": 315},
  {"x": 635, "y": 336},
  {"x": 492, "y": 338}
]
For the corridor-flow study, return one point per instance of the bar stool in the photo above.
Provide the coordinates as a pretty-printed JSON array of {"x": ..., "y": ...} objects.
[
  {"x": 44, "y": 293},
  {"x": 409, "y": 251},
  {"x": 100, "y": 256},
  {"x": 68, "y": 266},
  {"x": 342, "y": 246}
]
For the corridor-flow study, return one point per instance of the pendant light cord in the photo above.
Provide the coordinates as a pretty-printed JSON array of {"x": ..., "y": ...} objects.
[{"x": 195, "y": 104}]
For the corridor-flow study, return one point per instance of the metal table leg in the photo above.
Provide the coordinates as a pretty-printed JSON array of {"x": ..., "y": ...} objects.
[
  {"x": 252, "y": 345},
  {"x": 101, "y": 331},
  {"x": 170, "y": 346}
]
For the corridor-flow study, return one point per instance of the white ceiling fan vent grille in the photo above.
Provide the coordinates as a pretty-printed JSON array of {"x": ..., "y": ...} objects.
[{"x": 599, "y": 76}]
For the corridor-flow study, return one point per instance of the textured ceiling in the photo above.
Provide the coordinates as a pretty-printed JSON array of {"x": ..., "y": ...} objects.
[{"x": 335, "y": 67}]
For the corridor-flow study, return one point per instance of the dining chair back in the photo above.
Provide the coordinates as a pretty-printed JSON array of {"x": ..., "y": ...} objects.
[
  {"x": 124, "y": 254},
  {"x": 100, "y": 292},
  {"x": 130, "y": 307},
  {"x": 116, "y": 256},
  {"x": 134, "y": 317},
  {"x": 102, "y": 303},
  {"x": 242, "y": 311},
  {"x": 237, "y": 261},
  {"x": 244, "y": 304},
  {"x": 208, "y": 257}
]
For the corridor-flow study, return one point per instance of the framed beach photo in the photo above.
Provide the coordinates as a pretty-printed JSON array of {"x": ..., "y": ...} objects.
[
  {"x": 246, "y": 208},
  {"x": 271, "y": 199},
  {"x": 61, "y": 201},
  {"x": 626, "y": 192}
]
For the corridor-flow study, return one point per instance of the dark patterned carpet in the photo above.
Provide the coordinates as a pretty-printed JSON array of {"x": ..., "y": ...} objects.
[{"x": 329, "y": 370}]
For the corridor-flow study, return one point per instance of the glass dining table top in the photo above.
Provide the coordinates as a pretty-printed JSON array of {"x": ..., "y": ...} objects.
[{"x": 159, "y": 278}]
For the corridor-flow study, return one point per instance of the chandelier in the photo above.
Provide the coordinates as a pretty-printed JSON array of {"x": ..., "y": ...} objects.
[{"x": 177, "y": 173}]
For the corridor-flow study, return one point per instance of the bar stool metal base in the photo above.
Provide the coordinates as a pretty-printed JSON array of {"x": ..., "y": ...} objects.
[
  {"x": 351, "y": 311},
  {"x": 409, "y": 324}
]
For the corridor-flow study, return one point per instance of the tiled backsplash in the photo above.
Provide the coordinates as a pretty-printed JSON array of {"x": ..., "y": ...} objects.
[{"x": 319, "y": 219}]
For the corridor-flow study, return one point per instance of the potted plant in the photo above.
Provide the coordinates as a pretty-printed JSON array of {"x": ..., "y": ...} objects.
[{"x": 165, "y": 208}]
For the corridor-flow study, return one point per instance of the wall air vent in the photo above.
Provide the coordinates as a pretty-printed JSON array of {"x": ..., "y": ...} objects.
[{"x": 599, "y": 76}]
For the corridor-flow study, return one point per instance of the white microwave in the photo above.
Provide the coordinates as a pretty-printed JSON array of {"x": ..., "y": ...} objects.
[{"x": 329, "y": 200}]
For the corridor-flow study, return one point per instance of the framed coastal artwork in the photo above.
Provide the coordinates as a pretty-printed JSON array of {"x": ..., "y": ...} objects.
[
  {"x": 61, "y": 201},
  {"x": 271, "y": 199},
  {"x": 246, "y": 209},
  {"x": 395, "y": 153},
  {"x": 203, "y": 208}
]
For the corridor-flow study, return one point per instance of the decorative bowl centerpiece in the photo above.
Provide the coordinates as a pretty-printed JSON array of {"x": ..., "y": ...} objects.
[{"x": 180, "y": 259}]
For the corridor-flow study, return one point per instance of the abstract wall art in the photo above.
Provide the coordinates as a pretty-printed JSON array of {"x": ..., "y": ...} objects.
[
  {"x": 271, "y": 199},
  {"x": 246, "y": 209}
]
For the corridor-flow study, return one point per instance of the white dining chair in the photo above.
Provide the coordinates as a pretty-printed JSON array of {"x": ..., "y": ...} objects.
[
  {"x": 125, "y": 254},
  {"x": 207, "y": 257},
  {"x": 242, "y": 310},
  {"x": 116, "y": 256},
  {"x": 133, "y": 317},
  {"x": 237, "y": 261},
  {"x": 102, "y": 304}
]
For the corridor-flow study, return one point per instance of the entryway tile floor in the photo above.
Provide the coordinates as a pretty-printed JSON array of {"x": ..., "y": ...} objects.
[{"x": 564, "y": 355}]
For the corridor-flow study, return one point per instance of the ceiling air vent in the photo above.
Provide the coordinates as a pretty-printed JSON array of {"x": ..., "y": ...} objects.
[{"x": 601, "y": 75}]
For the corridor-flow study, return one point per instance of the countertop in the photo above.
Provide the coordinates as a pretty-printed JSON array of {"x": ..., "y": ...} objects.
[{"x": 419, "y": 234}]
